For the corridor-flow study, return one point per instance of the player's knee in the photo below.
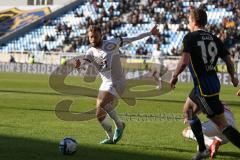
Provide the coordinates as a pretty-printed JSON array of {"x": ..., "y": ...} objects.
[
  {"x": 100, "y": 116},
  {"x": 220, "y": 121},
  {"x": 101, "y": 103},
  {"x": 102, "y": 106},
  {"x": 222, "y": 125},
  {"x": 100, "y": 113}
]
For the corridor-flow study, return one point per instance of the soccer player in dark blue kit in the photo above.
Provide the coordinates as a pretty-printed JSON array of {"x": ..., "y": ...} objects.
[{"x": 201, "y": 51}]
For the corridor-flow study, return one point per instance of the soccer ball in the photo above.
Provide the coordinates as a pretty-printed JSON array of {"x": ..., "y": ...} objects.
[{"x": 68, "y": 146}]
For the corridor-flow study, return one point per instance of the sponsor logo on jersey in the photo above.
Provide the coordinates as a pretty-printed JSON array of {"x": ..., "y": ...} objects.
[{"x": 110, "y": 46}]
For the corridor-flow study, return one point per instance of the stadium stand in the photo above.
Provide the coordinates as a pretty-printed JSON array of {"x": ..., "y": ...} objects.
[
  {"x": 67, "y": 33},
  {"x": 14, "y": 18}
]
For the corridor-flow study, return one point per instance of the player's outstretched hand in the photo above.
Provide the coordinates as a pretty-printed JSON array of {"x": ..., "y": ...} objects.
[
  {"x": 235, "y": 81},
  {"x": 77, "y": 63},
  {"x": 173, "y": 82},
  {"x": 155, "y": 30}
]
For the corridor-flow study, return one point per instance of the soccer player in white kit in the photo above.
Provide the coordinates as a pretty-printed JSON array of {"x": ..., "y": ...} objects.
[
  {"x": 158, "y": 67},
  {"x": 104, "y": 55},
  {"x": 213, "y": 137}
]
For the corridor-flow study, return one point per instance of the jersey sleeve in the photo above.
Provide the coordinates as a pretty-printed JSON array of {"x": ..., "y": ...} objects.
[
  {"x": 88, "y": 56},
  {"x": 119, "y": 41},
  {"x": 126, "y": 40},
  {"x": 222, "y": 50},
  {"x": 187, "y": 44}
]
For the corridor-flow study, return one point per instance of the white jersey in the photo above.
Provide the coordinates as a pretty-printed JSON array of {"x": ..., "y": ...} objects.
[
  {"x": 107, "y": 59},
  {"x": 157, "y": 57}
]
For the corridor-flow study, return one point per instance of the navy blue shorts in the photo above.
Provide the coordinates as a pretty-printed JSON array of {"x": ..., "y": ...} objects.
[{"x": 210, "y": 106}]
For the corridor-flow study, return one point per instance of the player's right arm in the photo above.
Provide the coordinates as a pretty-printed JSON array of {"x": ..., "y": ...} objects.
[
  {"x": 127, "y": 40},
  {"x": 225, "y": 56}
]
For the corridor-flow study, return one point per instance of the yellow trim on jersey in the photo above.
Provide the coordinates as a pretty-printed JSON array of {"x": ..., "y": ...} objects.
[
  {"x": 238, "y": 93},
  {"x": 211, "y": 95}
]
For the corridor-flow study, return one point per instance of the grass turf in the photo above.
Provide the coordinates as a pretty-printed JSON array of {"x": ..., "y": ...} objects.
[{"x": 29, "y": 128}]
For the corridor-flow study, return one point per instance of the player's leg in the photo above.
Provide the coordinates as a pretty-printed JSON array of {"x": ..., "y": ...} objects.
[
  {"x": 108, "y": 95},
  {"x": 213, "y": 137},
  {"x": 218, "y": 117},
  {"x": 215, "y": 111},
  {"x": 156, "y": 75},
  {"x": 219, "y": 138},
  {"x": 118, "y": 90},
  {"x": 156, "y": 72},
  {"x": 228, "y": 130},
  {"x": 101, "y": 115},
  {"x": 231, "y": 121},
  {"x": 209, "y": 131},
  {"x": 191, "y": 110},
  {"x": 211, "y": 141},
  {"x": 163, "y": 70},
  {"x": 196, "y": 126},
  {"x": 210, "y": 106}
]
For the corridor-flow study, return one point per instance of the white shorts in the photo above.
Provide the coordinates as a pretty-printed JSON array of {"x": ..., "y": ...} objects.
[
  {"x": 115, "y": 89},
  {"x": 158, "y": 68},
  {"x": 211, "y": 130}
]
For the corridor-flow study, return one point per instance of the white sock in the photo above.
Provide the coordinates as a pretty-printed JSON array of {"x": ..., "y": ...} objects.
[
  {"x": 208, "y": 140},
  {"x": 113, "y": 114},
  {"x": 107, "y": 127}
]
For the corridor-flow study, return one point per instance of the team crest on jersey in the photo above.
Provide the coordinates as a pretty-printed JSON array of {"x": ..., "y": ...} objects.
[{"x": 110, "y": 46}]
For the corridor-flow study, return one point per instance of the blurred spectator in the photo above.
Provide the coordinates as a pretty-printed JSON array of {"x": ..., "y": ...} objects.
[
  {"x": 31, "y": 59},
  {"x": 63, "y": 60},
  {"x": 136, "y": 12},
  {"x": 141, "y": 51},
  {"x": 174, "y": 51},
  {"x": 12, "y": 59},
  {"x": 157, "y": 55}
]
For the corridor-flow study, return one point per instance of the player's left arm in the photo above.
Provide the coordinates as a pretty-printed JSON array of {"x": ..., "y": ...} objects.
[
  {"x": 182, "y": 64},
  {"x": 184, "y": 60},
  {"x": 231, "y": 70},
  {"x": 126, "y": 40}
]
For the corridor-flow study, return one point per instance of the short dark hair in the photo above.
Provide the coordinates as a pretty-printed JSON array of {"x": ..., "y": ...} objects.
[
  {"x": 199, "y": 15},
  {"x": 93, "y": 28}
]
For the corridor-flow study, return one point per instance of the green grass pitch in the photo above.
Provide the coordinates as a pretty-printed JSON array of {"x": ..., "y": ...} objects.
[{"x": 29, "y": 128}]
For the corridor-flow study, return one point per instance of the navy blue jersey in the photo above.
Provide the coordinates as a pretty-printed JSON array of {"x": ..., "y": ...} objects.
[{"x": 204, "y": 49}]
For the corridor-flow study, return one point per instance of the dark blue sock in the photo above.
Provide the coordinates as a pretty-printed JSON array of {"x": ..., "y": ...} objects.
[
  {"x": 232, "y": 135},
  {"x": 196, "y": 127}
]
